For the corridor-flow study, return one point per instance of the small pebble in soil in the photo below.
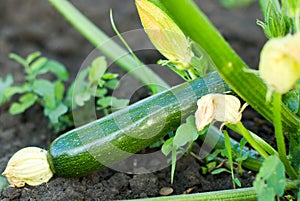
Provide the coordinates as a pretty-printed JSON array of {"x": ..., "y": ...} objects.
[{"x": 166, "y": 191}]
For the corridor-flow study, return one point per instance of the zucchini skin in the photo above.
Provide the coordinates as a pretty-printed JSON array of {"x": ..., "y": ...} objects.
[{"x": 120, "y": 134}]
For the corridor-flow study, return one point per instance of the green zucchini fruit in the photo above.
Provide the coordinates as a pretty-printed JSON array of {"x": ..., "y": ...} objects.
[{"x": 127, "y": 131}]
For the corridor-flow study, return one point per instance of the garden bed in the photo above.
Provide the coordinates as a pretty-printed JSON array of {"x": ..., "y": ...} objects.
[{"x": 26, "y": 30}]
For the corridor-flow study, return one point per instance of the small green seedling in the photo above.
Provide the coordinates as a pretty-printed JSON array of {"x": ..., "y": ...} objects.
[
  {"x": 182, "y": 141},
  {"x": 95, "y": 82},
  {"x": 36, "y": 89},
  {"x": 57, "y": 101}
]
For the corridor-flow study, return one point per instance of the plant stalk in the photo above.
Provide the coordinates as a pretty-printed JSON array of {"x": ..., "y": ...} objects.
[
  {"x": 268, "y": 148},
  {"x": 280, "y": 137},
  {"x": 246, "y": 134},
  {"x": 111, "y": 49},
  {"x": 232, "y": 195}
]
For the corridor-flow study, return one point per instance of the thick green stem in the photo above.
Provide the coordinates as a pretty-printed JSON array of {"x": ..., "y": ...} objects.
[
  {"x": 233, "y": 195},
  {"x": 111, "y": 49},
  {"x": 279, "y": 135},
  {"x": 268, "y": 148},
  {"x": 231, "y": 67},
  {"x": 246, "y": 134}
]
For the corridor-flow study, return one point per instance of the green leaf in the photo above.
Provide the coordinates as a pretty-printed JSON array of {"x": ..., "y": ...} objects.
[
  {"x": 59, "y": 89},
  {"x": 185, "y": 133},
  {"x": 110, "y": 76},
  {"x": 242, "y": 158},
  {"x": 270, "y": 180},
  {"x": 201, "y": 61},
  {"x": 211, "y": 165},
  {"x": 101, "y": 83},
  {"x": 3, "y": 183},
  {"x": 81, "y": 98},
  {"x": 181, "y": 73},
  {"x": 54, "y": 114},
  {"x": 97, "y": 69},
  {"x": 45, "y": 89},
  {"x": 112, "y": 84},
  {"x": 243, "y": 143},
  {"x": 292, "y": 101},
  {"x": 101, "y": 92},
  {"x": 167, "y": 146},
  {"x": 119, "y": 103},
  {"x": 220, "y": 170},
  {"x": 5, "y": 84},
  {"x": 80, "y": 83},
  {"x": 237, "y": 182},
  {"x": 213, "y": 155},
  {"x": 57, "y": 69},
  {"x": 69, "y": 96},
  {"x": 174, "y": 158},
  {"x": 18, "y": 59},
  {"x": 31, "y": 57},
  {"x": 105, "y": 102},
  {"x": 39, "y": 63},
  {"x": 16, "y": 90},
  {"x": 24, "y": 103}
]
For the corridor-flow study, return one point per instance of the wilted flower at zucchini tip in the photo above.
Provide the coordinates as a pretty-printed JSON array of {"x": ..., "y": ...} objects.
[
  {"x": 223, "y": 108},
  {"x": 165, "y": 35},
  {"x": 279, "y": 64},
  {"x": 28, "y": 166}
]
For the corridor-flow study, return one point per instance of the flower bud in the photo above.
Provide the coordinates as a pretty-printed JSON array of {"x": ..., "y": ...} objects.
[
  {"x": 165, "y": 35},
  {"x": 223, "y": 108},
  {"x": 28, "y": 166},
  {"x": 276, "y": 24},
  {"x": 279, "y": 63}
]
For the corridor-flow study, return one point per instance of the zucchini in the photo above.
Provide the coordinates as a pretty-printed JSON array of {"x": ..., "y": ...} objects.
[{"x": 120, "y": 134}]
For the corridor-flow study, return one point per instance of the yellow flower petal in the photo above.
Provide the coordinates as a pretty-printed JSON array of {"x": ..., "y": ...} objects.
[
  {"x": 223, "y": 108},
  {"x": 205, "y": 112},
  {"x": 28, "y": 166},
  {"x": 165, "y": 34},
  {"x": 279, "y": 63}
]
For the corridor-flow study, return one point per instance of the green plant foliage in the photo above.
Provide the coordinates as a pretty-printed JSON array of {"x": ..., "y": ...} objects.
[
  {"x": 3, "y": 183},
  {"x": 292, "y": 100},
  {"x": 185, "y": 134},
  {"x": 4, "y": 85},
  {"x": 39, "y": 90},
  {"x": 277, "y": 23},
  {"x": 270, "y": 181},
  {"x": 93, "y": 82},
  {"x": 52, "y": 95}
]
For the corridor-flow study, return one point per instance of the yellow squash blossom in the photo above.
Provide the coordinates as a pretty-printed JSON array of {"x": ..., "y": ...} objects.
[
  {"x": 223, "y": 108},
  {"x": 165, "y": 35},
  {"x": 279, "y": 63},
  {"x": 28, "y": 166}
]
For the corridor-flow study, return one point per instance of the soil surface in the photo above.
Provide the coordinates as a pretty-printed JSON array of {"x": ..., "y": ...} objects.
[{"x": 33, "y": 25}]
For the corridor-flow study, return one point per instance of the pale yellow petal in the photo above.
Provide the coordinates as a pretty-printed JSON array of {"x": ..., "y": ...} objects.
[{"x": 28, "y": 166}]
